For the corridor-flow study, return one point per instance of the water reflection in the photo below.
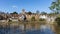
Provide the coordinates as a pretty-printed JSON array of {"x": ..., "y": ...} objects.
[{"x": 43, "y": 29}]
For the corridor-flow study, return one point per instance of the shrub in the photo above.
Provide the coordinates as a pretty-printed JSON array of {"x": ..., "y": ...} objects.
[
  {"x": 42, "y": 19},
  {"x": 57, "y": 20},
  {"x": 10, "y": 20},
  {"x": 33, "y": 18}
]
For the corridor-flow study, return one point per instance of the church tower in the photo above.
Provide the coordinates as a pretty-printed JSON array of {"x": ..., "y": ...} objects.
[{"x": 23, "y": 11}]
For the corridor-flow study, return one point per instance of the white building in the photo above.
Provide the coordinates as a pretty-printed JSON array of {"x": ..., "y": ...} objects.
[
  {"x": 21, "y": 17},
  {"x": 43, "y": 16},
  {"x": 49, "y": 19}
]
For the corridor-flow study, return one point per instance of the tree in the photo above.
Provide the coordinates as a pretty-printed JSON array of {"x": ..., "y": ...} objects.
[
  {"x": 42, "y": 19},
  {"x": 43, "y": 13},
  {"x": 54, "y": 13},
  {"x": 29, "y": 12},
  {"x": 14, "y": 13},
  {"x": 58, "y": 20},
  {"x": 55, "y": 6},
  {"x": 33, "y": 18}
]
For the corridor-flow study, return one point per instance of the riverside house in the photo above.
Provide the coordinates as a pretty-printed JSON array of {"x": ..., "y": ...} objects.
[
  {"x": 3, "y": 18},
  {"x": 48, "y": 18},
  {"x": 17, "y": 17},
  {"x": 13, "y": 17},
  {"x": 29, "y": 16}
]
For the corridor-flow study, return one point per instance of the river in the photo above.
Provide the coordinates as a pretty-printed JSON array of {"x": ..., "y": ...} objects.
[{"x": 44, "y": 29}]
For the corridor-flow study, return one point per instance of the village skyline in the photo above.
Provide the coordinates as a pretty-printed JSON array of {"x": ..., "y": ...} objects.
[{"x": 29, "y": 16}]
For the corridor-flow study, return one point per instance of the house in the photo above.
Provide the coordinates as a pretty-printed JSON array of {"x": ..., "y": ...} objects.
[
  {"x": 29, "y": 15},
  {"x": 3, "y": 18},
  {"x": 13, "y": 17},
  {"x": 43, "y": 16},
  {"x": 48, "y": 18},
  {"x": 21, "y": 17}
]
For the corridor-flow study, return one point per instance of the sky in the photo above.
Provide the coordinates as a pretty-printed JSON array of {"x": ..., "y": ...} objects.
[{"x": 29, "y": 5}]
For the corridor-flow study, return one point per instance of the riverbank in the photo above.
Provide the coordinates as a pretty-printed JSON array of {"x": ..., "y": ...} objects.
[
  {"x": 57, "y": 29},
  {"x": 4, "y": 24}
]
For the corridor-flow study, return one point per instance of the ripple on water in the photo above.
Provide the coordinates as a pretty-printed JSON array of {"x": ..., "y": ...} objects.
[{"x": 43, "y": 30}]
